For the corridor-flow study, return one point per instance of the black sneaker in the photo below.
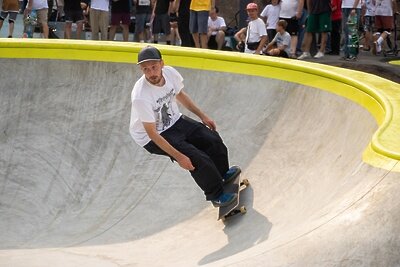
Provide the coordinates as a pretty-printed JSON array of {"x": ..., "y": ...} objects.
[
  {"x": 231, "y": 174},
  {"x": 224, "y": 199}
]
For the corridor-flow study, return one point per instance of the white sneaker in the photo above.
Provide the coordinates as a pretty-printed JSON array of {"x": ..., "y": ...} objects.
[
  {"x": 304, "y": 55},
  {"x": 319, "y": 55}
]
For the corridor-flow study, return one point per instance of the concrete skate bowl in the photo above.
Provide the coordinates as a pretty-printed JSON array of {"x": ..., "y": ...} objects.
[{"x": 320, "y": 146}]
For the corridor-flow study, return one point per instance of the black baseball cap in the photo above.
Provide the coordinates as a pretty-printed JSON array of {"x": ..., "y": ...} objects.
[{"x": 149, "y": 53}]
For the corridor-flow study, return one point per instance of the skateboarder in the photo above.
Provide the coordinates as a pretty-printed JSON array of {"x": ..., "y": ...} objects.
[{"x": 158, "y": 126}]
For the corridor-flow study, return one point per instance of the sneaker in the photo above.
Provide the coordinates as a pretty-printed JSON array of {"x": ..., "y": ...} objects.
[
  {"x": 224, "y": 199},
  {"x": 231, "y": 174},
  {"x": 304, "y": 55},
  {"x": 319, "y": 55},
  {"x": 351, "y": 58}
]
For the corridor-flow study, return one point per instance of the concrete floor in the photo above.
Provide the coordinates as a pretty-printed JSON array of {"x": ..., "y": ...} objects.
[{"x": 76, "y": 191}]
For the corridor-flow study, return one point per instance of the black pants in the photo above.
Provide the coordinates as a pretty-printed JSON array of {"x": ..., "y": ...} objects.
[
  {"x": 335, "y": 36},
  {"x": 205, "y": 149}
]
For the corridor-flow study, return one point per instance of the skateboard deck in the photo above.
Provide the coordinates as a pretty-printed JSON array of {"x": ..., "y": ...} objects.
[
  {"x": 353, "y": 45},
  {"x": 236, "y": 186}
]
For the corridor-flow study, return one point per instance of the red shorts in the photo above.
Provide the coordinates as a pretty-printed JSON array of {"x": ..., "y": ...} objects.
[
  {"x": 384, "y": 23},
  {"x": 120, "y": 18}
]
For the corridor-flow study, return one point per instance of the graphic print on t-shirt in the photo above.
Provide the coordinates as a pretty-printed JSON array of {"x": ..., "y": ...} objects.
[{"x": 164, "y": 111}]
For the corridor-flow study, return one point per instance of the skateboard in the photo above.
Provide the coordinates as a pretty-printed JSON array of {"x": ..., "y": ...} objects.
[
  {"x": 236, "y": 186},
  {"x": 353, "y": 45},
  {"x": 30, "y": 23}
]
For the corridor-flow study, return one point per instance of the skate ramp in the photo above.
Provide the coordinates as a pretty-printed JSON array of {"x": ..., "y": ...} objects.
[{"x": 319, "y": 147}]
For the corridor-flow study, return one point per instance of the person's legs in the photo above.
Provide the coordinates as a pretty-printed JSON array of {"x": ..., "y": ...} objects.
[
  {"x": 335, "y": 37},
  {"x": 220, "y": 38},
  {"x": 11, "y": 22},
  {"x": 324, "y": 38},
  {"x": 166, "y": 28},
  {"x": 103, "y": 24},
  {"x": 183, "y": 30},
  {"x": 156, "y": 28},
  {"x": 94, "y": 23},
  {"x": 3, "y": 16},
  {"x": 346, "y": 14},
  {"x": 139, "y": 26},
  {"x": 194, "y": 28},
  {"x": 42, "y": 19},
  {"x": 68, "y": 29}
]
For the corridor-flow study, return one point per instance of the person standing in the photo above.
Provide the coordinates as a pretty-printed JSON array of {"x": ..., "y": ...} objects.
[
  {"x": 99, "y": 19},
  {"x": 158, "y": 126},
  {"x": 350, "y": 9},
  {"x": 319, "y": 21},
  {"x": 270, "y": 15},
  {"x": 369, "y": 22},
  {"x": 9, "y": 9},
  {"x": 291, "y": 11},
  {"x": 73, "y": 14},
  {"x": 41, "y": 8},
  {"x": 120, "y": 15},
  {"x": 198, "y": 23},
  {"x": 256, "y": 33},
  {"x": 182, "y": 7},
  {"x": 161, "y": 20},
  {"x": 143, "y": 16},
  {"x": 336, "y": 19}
]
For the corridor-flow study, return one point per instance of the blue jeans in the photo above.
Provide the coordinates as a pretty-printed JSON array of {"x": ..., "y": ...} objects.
[{"x": 345, "y": 15}]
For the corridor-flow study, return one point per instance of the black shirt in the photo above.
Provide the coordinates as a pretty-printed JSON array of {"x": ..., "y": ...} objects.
[
  {"x": 120, "y": 6},
  {"x": 143, "y": 9},
  {"x": 319, "y": 6},
  {"x": 162, "y": 7},
  {"x": 74, "y": 5}
]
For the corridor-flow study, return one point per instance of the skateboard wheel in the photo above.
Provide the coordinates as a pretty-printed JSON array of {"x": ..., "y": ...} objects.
[
  {"x": 243, "y": 210},
  {"x": 246, "y": 182}
]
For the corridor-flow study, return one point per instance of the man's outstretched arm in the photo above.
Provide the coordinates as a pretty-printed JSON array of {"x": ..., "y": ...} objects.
[
  {"x": 188, "y": 103},
  {"x": 160, "y": 141}
]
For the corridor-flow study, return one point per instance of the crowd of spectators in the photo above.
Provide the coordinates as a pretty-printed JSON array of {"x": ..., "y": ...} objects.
[{"x": 284, "y": 28}]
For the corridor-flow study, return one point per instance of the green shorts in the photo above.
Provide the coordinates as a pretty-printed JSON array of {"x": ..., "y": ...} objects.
[{"x": 319, "y": 22}]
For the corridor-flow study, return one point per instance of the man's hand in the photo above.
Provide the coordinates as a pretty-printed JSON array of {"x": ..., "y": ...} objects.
[
  {"x": 185, "y": 162},
  {"x": 209, "y": 122},
  {"x": 353, "y": 12}
]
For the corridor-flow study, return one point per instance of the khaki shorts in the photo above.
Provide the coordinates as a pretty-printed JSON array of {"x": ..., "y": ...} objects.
[{"x": 42, "y": 15}]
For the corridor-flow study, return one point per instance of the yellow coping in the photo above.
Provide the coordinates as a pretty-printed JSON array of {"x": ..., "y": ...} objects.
[
  {"x": 395, "y": 62},
  {"x": 379, "y": 96}
]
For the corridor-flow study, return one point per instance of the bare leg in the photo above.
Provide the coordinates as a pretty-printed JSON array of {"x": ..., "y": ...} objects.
[
  {"x": 125, "y": 32},
  {"x": 306, "y": 42},
  {"x": 79, "y": 30},
  {"x": 68, "y": 30},
  {"x": 45, "y": 28},
  {"x": 220, "y": 38},
  {"x": 293, "y": 45},
  {"x": 204, "y": 40},
  {"x": 113, "y": 29},
  {"x": 324, "y": 39},
  {"x": 1, "y": 23},
  {"x": 196, "y": 40}
]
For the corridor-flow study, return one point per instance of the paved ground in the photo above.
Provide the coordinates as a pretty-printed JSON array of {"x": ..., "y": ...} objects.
[{"x": 76, "y": 191}]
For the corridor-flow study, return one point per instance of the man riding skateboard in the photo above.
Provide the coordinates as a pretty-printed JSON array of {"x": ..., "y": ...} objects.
[{"x": 158, "y": 126}]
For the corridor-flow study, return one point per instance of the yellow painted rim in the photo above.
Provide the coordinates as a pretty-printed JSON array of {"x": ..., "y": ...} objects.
[
  {"x": 395, "y": 62},
  {"x": 379, "y": 96}
]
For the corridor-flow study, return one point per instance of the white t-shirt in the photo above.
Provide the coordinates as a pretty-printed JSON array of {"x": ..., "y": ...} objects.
[
  {"x": 272, "y": 13},
  {"x": 369, "y": 8},
  {"x": 383, "y": 8},
  {"x": 100, "y": 5},
  {"x": 39, "y": 4},
  {"x": 218, "y": 23},
  {"x": 255, "y": 31},
  {"x": 281, "y": 40},
  {"x": 350, "y": 3},
  {"x": 288, "y": 8},
  {"x": 152, "y": 103}
]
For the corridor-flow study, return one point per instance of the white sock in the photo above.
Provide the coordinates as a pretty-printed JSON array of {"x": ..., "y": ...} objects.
[{"x": 379, "y": 41}]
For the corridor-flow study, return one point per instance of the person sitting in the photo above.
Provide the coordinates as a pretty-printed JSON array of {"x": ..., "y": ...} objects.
[
  {"x": 280, "y": 45},
  {"x": 216, "y": 30}
]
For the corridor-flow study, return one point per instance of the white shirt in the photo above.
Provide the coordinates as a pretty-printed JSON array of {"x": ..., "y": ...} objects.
[
  {"x": 383, "y": 8},
  {"x": 350, "y": 3},
  {"x": 369, "y": 8},
  {"x": 100, "y": 5},
  {"x": 39, "y": 4},
  {"x": 272, "y": 14},
  {"x": 288, "y": 8},
  {"x": 218, "y": 23},
  {"x": 255, "y": 30},
  {"x": 152, "y": 103},
  {"x": 281, "y": 40}
]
